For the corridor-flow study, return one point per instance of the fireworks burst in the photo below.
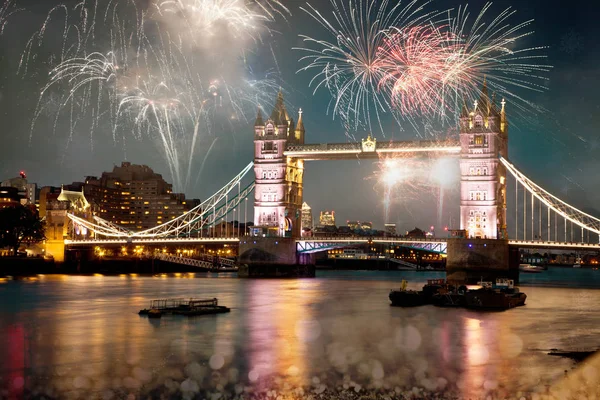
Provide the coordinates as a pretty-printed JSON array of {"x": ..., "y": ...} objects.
[
  {"x": 350, "y": 66},
  {"x": 481, "y": 51},
  {"x": 133, "y": 70},
  {"x": 204, "y": 18},
  {"x": 416, "y": 64},
  {"x": 413, "y": 62}
]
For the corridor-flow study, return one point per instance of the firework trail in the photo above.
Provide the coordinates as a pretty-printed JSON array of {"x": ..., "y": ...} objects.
[
  {"x": 6, "y": 11},
  {"x": 349, "y": 66},
  {"x": 128, "y": 70}
]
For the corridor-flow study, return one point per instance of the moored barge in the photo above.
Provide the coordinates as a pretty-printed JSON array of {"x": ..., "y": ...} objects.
[
  {"x": 501, "y": 296},
  {"x": 188, "y": 307},
  {"x": 412, "y": 298}
]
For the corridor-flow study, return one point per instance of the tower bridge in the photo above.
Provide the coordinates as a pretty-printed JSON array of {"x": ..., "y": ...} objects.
[{"x": 481, "y": 246}]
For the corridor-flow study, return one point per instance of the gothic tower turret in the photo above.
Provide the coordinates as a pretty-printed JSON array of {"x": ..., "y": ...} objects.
[
  {"x": 278, "y": 190},
  {"x": 483, "y": 138}
]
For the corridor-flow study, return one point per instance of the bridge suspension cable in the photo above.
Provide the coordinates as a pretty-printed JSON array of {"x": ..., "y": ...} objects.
[
  {"x": 193, "y": 221},
  {"x": 568, "y": 212}
]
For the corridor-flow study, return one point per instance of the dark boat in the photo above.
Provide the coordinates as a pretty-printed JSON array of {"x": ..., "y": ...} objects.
[
  {"x": 450, "y": 297},
  {"x": 501, "y": 296},
  {"x": 407, "y": 298},
  {"x": 413, "y": 298}
]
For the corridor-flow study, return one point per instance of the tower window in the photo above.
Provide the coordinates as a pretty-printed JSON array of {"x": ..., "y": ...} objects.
[
  {"x": 479, "y": 140},
  {"x": 270, "y": 129},
  {"x": 478, "y": 121}
]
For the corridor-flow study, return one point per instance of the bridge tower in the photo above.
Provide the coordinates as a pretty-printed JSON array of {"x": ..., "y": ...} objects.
[
  {"x": 278, "y": 190},
  {"x": 483, "y": 137}
]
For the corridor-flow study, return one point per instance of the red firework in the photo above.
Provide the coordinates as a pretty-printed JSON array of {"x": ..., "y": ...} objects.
[{"x": 415, "y": 62}]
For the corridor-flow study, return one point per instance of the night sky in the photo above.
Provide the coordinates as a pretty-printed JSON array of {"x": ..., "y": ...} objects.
[{"x": 557, "y": 149}]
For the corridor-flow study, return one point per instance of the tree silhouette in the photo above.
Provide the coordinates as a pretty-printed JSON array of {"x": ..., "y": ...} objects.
[{"x": 20, "y": 225}]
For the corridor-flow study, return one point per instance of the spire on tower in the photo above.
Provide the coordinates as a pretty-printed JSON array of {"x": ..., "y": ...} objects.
[
  {"x": 259, "y": 120},
  {"x": 503, "y": 117},
  {"x": 300, "y": 125}
]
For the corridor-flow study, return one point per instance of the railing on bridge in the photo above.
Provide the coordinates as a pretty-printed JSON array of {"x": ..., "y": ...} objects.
[
  {"x": 551, "y": 244},
  {"x": 206, "y": 261},
  {"x": 403, "y": 263},
  {"x": 317, "y": 244},
  {"x": 158, "y": 240}
]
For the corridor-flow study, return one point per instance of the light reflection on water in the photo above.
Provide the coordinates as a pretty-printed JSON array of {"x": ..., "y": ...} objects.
[{"x": 70, "y": 336}]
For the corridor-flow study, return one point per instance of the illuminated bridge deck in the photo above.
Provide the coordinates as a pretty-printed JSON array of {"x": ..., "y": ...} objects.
[
  {"x": 369, "y": 149},
  {"x": 316, "y": 244}
]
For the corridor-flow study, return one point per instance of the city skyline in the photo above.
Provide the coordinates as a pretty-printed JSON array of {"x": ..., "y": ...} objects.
[{"x": 565, "y": 130}]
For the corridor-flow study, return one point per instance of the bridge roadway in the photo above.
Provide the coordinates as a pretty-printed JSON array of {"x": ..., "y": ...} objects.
[
  {"x": 316, "y": 244},
  {"x": 345, "y": 151}
]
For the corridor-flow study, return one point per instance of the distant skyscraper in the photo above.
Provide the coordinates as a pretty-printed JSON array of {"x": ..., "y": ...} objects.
[
  {"x": 307, "y": 217},
  {"x": 327, "y": 218},
  {"x": 366, "y": 226}
]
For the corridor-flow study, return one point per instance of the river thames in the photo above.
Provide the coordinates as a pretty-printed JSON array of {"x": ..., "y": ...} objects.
[{"x": 334, "y": 336}]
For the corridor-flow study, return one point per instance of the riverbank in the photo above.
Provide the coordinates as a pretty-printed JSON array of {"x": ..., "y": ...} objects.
[{"x": 25, "y": 266}]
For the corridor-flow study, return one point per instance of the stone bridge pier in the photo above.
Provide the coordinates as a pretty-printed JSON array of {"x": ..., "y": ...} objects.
[{"x": 274, "y": 258}]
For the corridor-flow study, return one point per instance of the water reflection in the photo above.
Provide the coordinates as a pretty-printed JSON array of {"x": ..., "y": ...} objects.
[
  {"x": 76, "y": 336},
  {"x": 280, "y": 327}
]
